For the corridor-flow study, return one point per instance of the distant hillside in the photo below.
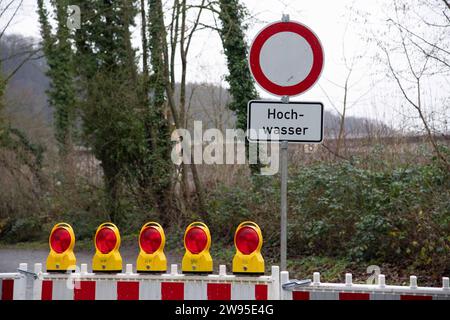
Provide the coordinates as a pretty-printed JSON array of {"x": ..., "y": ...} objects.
[
  {"x": 207, "y": 102},
  {"x": 26, "y": 101},
  {"x": 27, "y": 105}
]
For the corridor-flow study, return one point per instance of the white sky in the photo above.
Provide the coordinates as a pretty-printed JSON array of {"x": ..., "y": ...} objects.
[{"x": 329, "y": 19}]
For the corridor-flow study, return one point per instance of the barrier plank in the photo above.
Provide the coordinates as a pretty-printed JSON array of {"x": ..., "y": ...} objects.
[
  {"x": 414, "y": 297},
  {"x": 127, "y": 290},
  {"x": 172, "y": 291},
  {"x": 47, "y": 290},
  {"x": 7, "y": 289},
  {"x": 353, "y": 296},
  {"x": 300, "y": 295},
  {"x": 261, "y": 292},
  {"x": 219, "y": 291},
  {"x": 84, "y": 290}
]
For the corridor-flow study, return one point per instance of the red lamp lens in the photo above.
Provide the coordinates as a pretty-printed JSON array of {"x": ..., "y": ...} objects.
[
  {"x": 196, "y": 240},
  {"x": 247, "y": 240},
  {"x": 150, "y": 239},
  {"x": 60, "y": 240},
  {"x": 105, "y": 240}
]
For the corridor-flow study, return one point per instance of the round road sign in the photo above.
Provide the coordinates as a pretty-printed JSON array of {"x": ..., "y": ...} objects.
[{"x": 286, "y": 58}]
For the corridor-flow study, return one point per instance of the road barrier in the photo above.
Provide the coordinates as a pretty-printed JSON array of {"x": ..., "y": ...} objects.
[
  {"x": 171, "y": 286},
  {"x": 13, "y": 286},
  {"x": 315, "y": 290},
  {"x": 83, "y": 285},
  {"x": 66, "y": 282}
]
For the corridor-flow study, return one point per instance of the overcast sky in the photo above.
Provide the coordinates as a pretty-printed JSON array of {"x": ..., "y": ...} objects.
[{"x": 331, "y": 20}]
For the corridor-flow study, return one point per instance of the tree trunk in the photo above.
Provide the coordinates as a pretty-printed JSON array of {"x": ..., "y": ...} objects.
[{"x": 242, "y": 88}]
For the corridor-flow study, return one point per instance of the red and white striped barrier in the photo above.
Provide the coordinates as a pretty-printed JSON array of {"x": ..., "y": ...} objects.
[
  {"x": 172, "y": 286},
  {"x": 350, "y": 291},
  {"x": 13, "y": 285},
  {"x": 82, "y": 285}
]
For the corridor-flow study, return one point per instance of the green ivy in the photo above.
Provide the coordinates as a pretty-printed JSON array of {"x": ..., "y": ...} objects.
[
  {"x": 59, "y": 56},
  {"x": 242, "y": 88}
]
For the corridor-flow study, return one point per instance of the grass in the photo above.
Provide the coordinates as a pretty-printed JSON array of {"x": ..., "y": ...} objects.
[
  {"x": 331, "y": 269},
  {"x": 34, "y": 245}
]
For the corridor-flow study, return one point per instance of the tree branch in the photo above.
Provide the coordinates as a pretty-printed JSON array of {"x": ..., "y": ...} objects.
[{"x": 11, "y": 19}]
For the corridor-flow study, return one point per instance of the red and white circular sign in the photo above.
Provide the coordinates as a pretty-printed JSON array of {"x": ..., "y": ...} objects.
[{"x": 286, "y": 58}]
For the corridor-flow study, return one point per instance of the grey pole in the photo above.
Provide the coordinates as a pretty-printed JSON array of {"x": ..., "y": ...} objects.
[{"x": 284, "y": 176}]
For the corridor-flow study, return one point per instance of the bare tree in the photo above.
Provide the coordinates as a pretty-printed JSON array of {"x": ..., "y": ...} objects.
[
  {"x": 28, "y": 52},
  {"x": 417, "y": 52},
  {"x": 348, "y": 87},
  {"x": 18, "y": 156},
  {"x": 180, "y": 37}
]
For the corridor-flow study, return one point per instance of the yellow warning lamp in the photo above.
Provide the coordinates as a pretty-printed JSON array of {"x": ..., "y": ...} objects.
[
  {"x": 61, "y": 257},
  {"x": 197, "y": 241},
  {"x": 151, "y": 242},
  {"x": 107, "y": 242},
  {"x": 248, "y": 241}
]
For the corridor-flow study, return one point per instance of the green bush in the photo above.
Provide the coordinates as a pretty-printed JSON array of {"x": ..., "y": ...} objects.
[
  {"x": 399, "y": 216},
  {"x": 258, "y": 201},
  {"x": 23, "y": 230}
]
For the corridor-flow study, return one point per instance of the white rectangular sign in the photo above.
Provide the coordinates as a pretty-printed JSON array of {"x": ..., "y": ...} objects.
[{"x": 298, "y": 122}]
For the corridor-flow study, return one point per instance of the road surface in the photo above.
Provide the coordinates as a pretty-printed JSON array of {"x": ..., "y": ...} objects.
[{"x": 10, "y": 258}]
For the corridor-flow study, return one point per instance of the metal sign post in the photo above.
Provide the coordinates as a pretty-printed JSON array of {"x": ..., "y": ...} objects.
[
  {"x": 286, "y": 59},
  {"x": 283, "y": 197},
  {"x": 284, "y": 176}
]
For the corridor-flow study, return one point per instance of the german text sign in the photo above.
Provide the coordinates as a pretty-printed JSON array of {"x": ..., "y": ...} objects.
[{"x": 300, "y": 122}]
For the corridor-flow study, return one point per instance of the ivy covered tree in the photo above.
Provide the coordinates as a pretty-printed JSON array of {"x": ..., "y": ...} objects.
[
  {"x": 232, "y": 33},
  {"x": 242, "y": 88},
  {"x": 59, "y": 55},
  {"x": 111, "y": 105},
  {"x": 157, "y": 125},
  {"x": 121, "y": 110}
]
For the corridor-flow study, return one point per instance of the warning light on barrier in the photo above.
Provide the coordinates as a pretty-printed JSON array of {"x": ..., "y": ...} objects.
[
  {"x": 197, "y": 241},
  {"x": 248, "y": 242},
  {"x": 151, "y": 242},
  {"x": 62, "y": 242},
  {"x": 107, "y": 242}
]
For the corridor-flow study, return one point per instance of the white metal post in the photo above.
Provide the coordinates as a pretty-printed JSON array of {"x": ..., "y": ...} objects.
[
  {"x": 274, "y": 291},
  {"x": 37, "y": 283},
  {"x": 284, "y": 294},
  {"x": 20, "y": 284}
]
